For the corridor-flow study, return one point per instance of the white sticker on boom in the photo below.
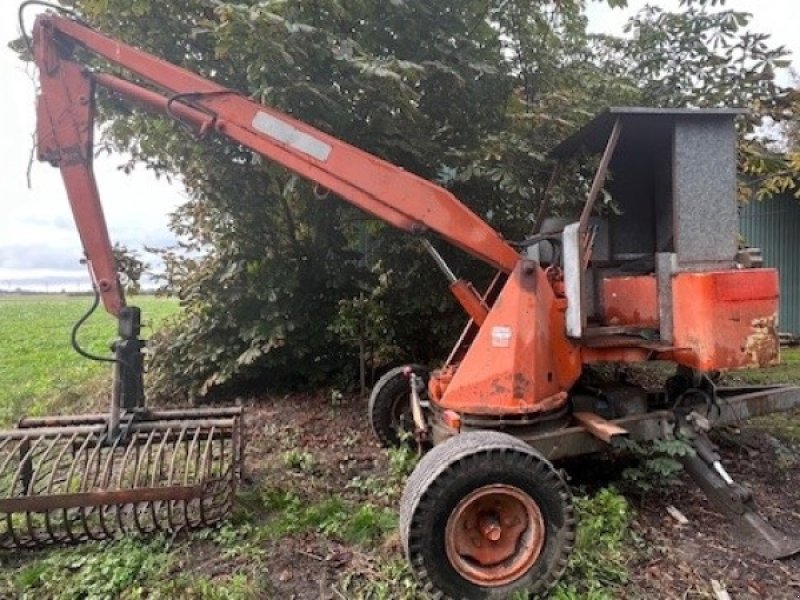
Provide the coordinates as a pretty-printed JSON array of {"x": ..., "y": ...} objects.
[
  {"x": 501, "y": 336},
  {"x": 291, "y": 136}
]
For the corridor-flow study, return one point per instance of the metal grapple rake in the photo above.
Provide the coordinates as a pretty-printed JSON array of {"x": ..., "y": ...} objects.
[{"x": 74, "y": 478}]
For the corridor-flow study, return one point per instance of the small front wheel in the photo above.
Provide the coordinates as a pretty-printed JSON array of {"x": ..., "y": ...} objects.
[
  {"x": 484, "y": 516},
  {"x": 390, "y": 405}
]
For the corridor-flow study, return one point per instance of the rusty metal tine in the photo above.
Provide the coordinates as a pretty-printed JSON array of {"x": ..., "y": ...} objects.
[
  {"x": 51, "y": 479},
  {"x": 105, "y": 480},
  {"x": 205, "y": 470},
  {"x": 8, "y": 458},
  {"x": 137, "y": 472},
  {"x": 171, "y": 473},
  {"x": 84, "y": 484},
  {"x": 81, "y": 450},
  {"x": 190, "y": 449},
  {"x": 156, "y": 474},
  {"x": 122, "y": 468},
  {"x": 25, "y": 453},
  {"x": 3, "y": 469},
  {"x": 4, "y": 442},
  {"x": 31, "y": 490}
]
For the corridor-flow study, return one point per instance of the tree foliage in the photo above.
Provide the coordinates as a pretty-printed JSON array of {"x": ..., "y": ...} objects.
[{"x": 279, "y": 282}]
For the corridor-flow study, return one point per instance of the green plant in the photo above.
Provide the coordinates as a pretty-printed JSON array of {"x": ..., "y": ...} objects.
[
  {"x": 597, "y": 568},
  {"x": 380, "y": 580},
  {"x": 389, "y": 487},
  {"x": 299, "y": 460},
  {"x": 402, "y": 458},
  {"x": 657, "y": 466},
  {"x": 112, "y": 570}
]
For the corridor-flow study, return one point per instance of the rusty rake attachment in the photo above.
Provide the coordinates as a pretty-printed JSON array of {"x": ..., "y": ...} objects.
[{"x": 66, "y": 480}]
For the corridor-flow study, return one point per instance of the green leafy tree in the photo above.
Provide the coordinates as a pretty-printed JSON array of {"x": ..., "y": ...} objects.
[{"x": 131, "y": 267}]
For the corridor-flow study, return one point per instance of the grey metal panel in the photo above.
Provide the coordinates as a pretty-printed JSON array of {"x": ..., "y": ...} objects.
[
  {"x": 704, "y": 188},
  {"x": 593, "y": 135},
  {"x": 666, "y": 266},
  {"x": 774, "y": 226}
]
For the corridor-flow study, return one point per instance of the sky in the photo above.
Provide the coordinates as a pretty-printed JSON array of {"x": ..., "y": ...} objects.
[{"x": 39, "y": 246}]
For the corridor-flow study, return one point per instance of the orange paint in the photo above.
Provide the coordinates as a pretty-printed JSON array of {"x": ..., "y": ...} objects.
[
  {"x": 521, "y": 361},
  {"x": 726, "y": 319},
  {"x": 630, "y": 301}
]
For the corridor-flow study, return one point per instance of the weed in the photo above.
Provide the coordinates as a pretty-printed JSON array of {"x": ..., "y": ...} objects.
[
  {"x": 333, "y": 517},
  {"x": 299, "y": 460},
  {"x": 113, "y": 570},
  {"x": 380, "y": 580},
  {"x": 369, "y": 523},
  {"x": 658, "y": 464},
  {"x": 236, "y": 587},
  {"x": 402, "y": 458},
  {"x": 597, "y": 568},
  {"x": 389, "y": 487}
]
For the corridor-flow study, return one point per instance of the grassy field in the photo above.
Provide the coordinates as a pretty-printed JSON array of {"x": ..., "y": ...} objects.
[{"x": 39, "y": 370}]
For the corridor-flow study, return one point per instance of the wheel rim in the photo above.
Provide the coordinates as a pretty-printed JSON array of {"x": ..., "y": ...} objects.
[{"x": 494, "y": 535}]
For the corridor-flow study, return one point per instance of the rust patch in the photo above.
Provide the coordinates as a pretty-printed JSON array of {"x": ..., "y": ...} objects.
[
  {"x": 762, "y": 345},
  {"x": 520, "y": 384},
  {"x": 497, "y": 388}
]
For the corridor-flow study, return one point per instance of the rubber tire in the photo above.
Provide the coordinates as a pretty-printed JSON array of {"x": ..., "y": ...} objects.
[
  {"x": 390, "y": 388},
  {"x": 452, "y": 470}
]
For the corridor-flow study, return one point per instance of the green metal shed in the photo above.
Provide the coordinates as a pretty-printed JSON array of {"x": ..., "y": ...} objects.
[{"x": 774, "y": 226}]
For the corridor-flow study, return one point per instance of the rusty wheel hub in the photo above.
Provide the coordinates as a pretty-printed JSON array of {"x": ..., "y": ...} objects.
[{"x": 494, "y": 535}]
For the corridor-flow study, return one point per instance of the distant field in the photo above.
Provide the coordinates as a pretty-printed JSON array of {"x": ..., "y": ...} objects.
[{"x": 38, "y": 367}]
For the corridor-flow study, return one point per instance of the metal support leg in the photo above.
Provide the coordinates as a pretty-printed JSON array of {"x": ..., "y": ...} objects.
[{"x": 736, "y": 503}]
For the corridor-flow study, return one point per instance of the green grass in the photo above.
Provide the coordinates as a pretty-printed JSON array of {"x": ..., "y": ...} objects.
[
  {"x": 39, "y": 370},
  {"x": 785, "y": 426}
]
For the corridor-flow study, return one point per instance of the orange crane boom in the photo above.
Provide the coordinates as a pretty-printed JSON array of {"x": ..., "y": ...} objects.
[{"x": 65, "y": 138}]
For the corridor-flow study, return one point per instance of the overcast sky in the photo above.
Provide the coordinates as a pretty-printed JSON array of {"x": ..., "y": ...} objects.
[{"x": 38, "y": 243}]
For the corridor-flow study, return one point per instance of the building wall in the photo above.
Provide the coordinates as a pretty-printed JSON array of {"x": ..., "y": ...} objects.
[{"x": 774, "y": 226}]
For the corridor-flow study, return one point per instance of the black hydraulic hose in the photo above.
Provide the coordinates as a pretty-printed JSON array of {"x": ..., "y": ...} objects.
[
  {"x": 79, "y": 324},
  {"x": 56, "y": 7}
]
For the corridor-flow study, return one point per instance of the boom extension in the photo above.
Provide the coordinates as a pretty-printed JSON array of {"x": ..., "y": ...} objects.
[{"x": 365, "y": 181}]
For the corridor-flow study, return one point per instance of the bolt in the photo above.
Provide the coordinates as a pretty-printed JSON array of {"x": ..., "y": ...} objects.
[{"x": 490, "y": 527}]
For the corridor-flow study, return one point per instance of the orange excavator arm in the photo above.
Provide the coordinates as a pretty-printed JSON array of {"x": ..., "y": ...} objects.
[{"x": 65, "y": 115}]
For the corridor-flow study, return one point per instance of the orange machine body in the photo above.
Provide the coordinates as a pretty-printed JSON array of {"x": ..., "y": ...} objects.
[
  {"x": 726, "y": 319},
  {"x": 631, "y": 301},
  {"x": 521, "y": 361}
]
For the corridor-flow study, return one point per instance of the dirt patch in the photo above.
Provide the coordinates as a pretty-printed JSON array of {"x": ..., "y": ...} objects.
[
  {"x": 336, "y": 438},
  {"x": 682, "y": 560},
  {"x": 672, "y": 560}
]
